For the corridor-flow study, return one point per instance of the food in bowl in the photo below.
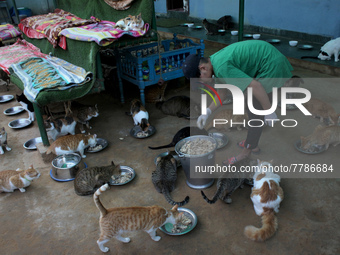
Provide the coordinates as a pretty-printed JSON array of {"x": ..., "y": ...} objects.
[
  {"x": 234, "y": 32},
  {"x": 293, "y": 43},
  {"x": 197, "y": 147},
  {"x": 182, "y": 225}
]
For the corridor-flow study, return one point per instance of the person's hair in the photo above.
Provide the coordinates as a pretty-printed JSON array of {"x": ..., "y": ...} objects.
[{"x": 203, "y": 60}]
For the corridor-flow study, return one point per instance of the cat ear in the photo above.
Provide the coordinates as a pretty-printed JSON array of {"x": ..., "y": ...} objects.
[
  {"x": 174, "y": 208},
  {"x": 158, "y": 159},
  {"x": 31, "y": 166},
  {"x": 112, "y": 163}
]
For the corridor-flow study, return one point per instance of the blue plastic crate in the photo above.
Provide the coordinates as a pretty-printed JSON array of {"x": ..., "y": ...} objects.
[{"x": 146, "y": 64}]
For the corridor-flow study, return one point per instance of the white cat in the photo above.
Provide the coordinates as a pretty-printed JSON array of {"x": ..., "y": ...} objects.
[
  {"x": 330, "y": 48},
  {"x": 266, "y": 196},
  {"x": 60, "y": 127},
  {"x": 186, "y": 5}
]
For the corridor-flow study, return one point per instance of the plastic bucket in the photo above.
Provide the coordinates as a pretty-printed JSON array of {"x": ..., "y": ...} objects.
[{"x": 189, "y": 162}]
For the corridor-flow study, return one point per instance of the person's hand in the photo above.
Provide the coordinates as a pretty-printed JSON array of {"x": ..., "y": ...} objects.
[
  {"x": 202, "y": 120},
  {"x": 270, "y": 119}
]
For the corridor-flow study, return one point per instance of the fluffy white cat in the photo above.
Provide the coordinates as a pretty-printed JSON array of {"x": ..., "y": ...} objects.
[{"x": 330, "y": 48}]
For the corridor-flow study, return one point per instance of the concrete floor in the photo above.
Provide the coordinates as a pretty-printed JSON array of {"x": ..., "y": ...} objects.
[{"x": 51, "y": 219}]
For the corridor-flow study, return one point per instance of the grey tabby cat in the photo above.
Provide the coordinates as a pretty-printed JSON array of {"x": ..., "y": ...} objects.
[
  {"x": 227, "y": 186},
  {"x": 89, "y": 179},
  {"x": 82, "y": 114},
  {"x": 164, "y": 178},
  {"x": 3, "y": 141}
]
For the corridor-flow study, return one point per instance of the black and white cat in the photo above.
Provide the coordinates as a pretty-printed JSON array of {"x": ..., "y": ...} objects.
[
  {"x": 3, "y": 141},
  {"x": 60, "y": 127},
  {"x": 329, "y": 49},
  {"x": 27, "y": 105}
]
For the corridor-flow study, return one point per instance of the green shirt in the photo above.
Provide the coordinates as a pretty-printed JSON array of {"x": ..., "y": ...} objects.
[{"x": 251, "y": 59}]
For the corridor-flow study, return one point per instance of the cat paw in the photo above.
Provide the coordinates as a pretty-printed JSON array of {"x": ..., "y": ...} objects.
[
  {"x": 156, "y": 238},
  {"x": 83, "y": 131},
  {"x": 1, "y": 152},
  {"x": 105, "y": 249},
  {"x": 8, "y": 149},
  {"x": 22, "y": 190},
  {"x": 84, "y": 156},
  {"x": 126, "y": 240}
]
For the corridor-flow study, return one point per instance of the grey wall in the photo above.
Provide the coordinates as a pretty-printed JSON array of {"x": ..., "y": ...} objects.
[
  {"x": 317, "y": 17},
  {"x": 37, "y": 6}
]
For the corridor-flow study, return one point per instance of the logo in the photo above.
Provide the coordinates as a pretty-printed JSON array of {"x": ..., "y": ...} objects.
[{"x": 239, "y": 101}]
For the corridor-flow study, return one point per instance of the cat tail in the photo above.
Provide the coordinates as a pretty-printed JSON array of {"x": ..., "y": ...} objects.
[
  {"x": 96, "y": 199},
  {"x": 162, "y": 147},
  {"x": 168, "y": 198},
  {"x": 214, "y": 199},
  {"x": 268, "y": 229},
  {"x": 49, "y": 150}
]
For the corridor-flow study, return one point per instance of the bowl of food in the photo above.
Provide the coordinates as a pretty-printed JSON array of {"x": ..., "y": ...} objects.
[
  {"x": 256, "y": 36},
  {"x": 187, "y": 223},
  {"x": 126, "y": 175},
  {"x": 32, "y": 143},
  {"x": 273, "y": 41},
  {"x": 100, "y": 145},
  {"x": 293, "y": 43},
  {"x": 65, "y": 167},
  {"x": 137, "y": 132},
  {"x": 313, "y": 149},
  {"x": 234, "y": 32},
  {"x": 221, "y": 139}
]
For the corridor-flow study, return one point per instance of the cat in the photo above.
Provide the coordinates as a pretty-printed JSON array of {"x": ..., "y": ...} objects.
[
  {"x": 27, "y": 105},
  {"x": 82, "y": 114},
  {"x": 115, "y": 221},
  {"x": 227, "y": 186},
  {"x": 179, "y": 106},
  {"x": 224, "y": 22},
  {"x": 72, "y": 143},
  {"x": 186, "y": 5},
  {"x": 164, "y": 178},
  {"x": 237, "y": 121},
  {"x": 323, "y": 110},
  {"x": 181, "y": 134},
  {"x": 321, "y": 136},
  {"x": 295, "y": 82},
  {"x": 59, "y": 127},
  {"x": 3, "y": 141},
  {"x": 155, "y": 93},
  {"x": 87, "y": 180},
  {"x": 211, "y": 28},
  {"x": 139, "y": 114},
  {"x": 329, "y": 49},
  {"x": 266, "y": 196},
  {"x": 11, "y": 180},
  {"x": 135, "y": 23}
]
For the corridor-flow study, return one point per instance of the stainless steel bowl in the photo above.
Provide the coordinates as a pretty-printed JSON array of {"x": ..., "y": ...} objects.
[
  {"x": 65, "y": 167},
  {"x": 188, "y": 213},
  {"x": 14, "y": 110},
  {"x": 221, "y": 139},
  {"x": 6, "y": 98},
  {"x": 125, "y": 170},
  {"x": 19, "y": 123},
  {"x": 313, "y": 150},
  {"x": 100, "y": 141},
  {"x": 137, "y": 129},
  {"x": 31, "y": 144}
]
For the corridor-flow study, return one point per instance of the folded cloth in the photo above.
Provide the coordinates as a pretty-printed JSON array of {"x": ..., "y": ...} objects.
[
  {"x": 48, "y": 73},
  {"x": 18, "y": 52},
  {"x": 103, "y": 32},
  {"x": 8, "y": 31}
]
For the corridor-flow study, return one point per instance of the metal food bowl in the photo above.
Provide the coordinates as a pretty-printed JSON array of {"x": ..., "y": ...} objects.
[
  {"x": 19, "y": 123},
  {"x": 314, "y": 150},
  {"x": 273, "y": 40},
  {"x": 221, "y": 139},
  {"x": 65, "y": 167},
  {"x": 100, "y": 141},
  {"x": 188, "y": 213},
  {"x": 6, "y": 98},
  {"x": 137, "y": 130},
  {"x": 14, "y": 110},
  {"x": 124, "y": 170},
  {"x": 31, "y": 144}
]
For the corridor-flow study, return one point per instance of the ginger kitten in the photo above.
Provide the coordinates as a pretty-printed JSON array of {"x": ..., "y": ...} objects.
[{"x": 115, "y": 221}]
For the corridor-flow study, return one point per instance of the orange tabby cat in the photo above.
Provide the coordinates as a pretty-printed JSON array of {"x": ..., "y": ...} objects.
[
  {"x": 72, "y": 143},
  {"x": 115, "y": 221},
  {"x": 233, "y": 120},
  {"x": 322, "y": 136},
  {"x": 19, "y": 179},
  {"x": 323, "y": 110},
  {"x": 266, "y": 196}
]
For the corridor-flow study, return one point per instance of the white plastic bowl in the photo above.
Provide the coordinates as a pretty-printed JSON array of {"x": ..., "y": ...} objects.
[
  {"x": 190, "y": 24},
  {"x": 256, "y": 36},
  {"x": 234, "y": 32},
  {"x": 293, "y": 43}
]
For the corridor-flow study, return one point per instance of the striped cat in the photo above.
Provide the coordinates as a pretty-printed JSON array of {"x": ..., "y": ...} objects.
[
  {"x": 322, "y": 136},
  {"x": 115, "y": 221},
  {"x": 89, "y": 179},
  {"x": 82, "y": 114},
  {"x": 11, "y": 180},
  {"x": 266, "y": 196},
  {"x": 164, "y": 178},
  {"x": 72, "y": 143},
  {"x": 3, "y": 141}
]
